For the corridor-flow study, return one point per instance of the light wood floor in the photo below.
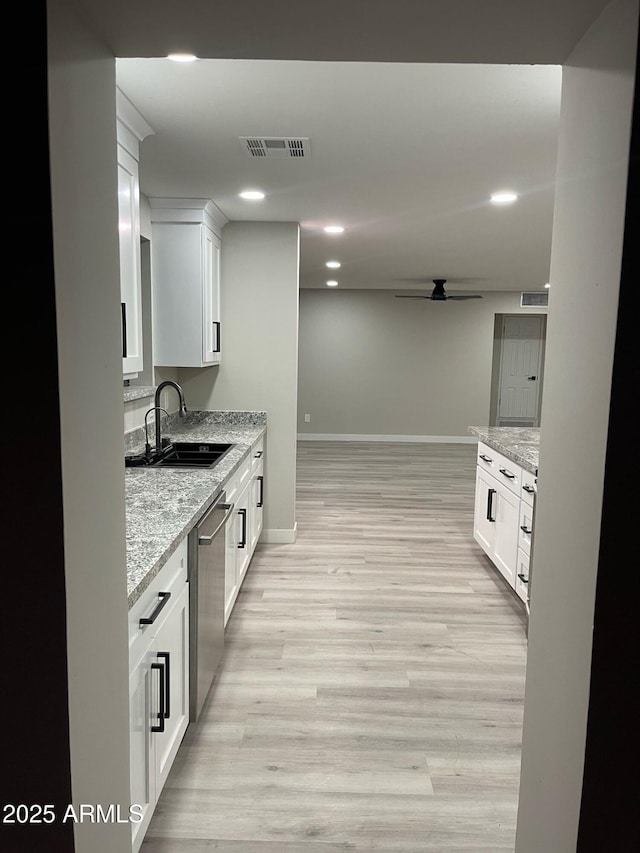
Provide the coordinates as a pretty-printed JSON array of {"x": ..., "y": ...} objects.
[{"x": 371, "y": 693}]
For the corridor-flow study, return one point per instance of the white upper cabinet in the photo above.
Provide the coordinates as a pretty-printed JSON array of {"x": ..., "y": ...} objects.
[
  {"x": 131, "y": 130},
  {"x": 185, "y": 276}
]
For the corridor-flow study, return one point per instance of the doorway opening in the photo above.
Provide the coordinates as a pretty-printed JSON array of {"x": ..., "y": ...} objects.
[{"x": 517, "y": 369}]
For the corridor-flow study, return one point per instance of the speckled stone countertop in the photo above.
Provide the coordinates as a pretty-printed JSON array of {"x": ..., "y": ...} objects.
[
  {"x": 519, "y": 444},
  {"x": 137, "y": 392},
  {"x": 164, "y": 504}
]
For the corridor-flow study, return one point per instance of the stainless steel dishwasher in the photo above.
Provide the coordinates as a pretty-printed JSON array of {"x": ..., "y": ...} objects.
[{"x": 206, "y": 601}]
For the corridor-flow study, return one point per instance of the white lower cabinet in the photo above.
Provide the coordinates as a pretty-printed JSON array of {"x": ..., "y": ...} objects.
[
  {"x": 243, "y": 552},
  {"x": 522, "y": 575},
  {"x": 505, "y": 544},
  {"x": 158, "y": 685},
  {"x": 256, "y": 503},
  {"x": 230, "y": 561},
  {"x": 503, "y": 523},
  {"x": 245, "y": 490}
]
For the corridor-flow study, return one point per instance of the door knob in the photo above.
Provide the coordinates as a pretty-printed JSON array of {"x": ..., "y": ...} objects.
[{"x": 532, "y": 377}]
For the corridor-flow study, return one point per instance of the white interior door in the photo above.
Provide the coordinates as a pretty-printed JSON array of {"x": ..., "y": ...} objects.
[{"x": 520, "y": 366}]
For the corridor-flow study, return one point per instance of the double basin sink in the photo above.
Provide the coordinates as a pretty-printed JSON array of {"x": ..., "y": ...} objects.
[{"x": 181, "y": 454}]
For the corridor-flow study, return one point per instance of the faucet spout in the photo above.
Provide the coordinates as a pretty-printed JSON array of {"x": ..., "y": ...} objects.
[{"x": 182, "y": 411}]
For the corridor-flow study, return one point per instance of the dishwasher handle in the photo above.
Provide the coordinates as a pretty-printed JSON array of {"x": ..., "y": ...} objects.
[{"x": 207, "y": 540}]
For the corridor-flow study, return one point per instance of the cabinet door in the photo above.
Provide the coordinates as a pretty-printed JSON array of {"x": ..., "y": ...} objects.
[
  {"x": 171, "y": 650},
  {"x": 484, "y": 517},
  {"x": 242, "y": 514},
  {"x": 211, "y": 332},
  {"x": 505, "y": 543},
  {"x": 141, "y": 745},
  {"x": 256, "y": 502},
  {"x": 230, "y": 566},
  {"x": 130, "y": 268}
]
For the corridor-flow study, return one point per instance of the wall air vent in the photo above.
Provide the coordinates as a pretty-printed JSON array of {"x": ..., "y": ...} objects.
[
  {"x": 534, "y": 299},
  {"x": 280, "y": 147}
]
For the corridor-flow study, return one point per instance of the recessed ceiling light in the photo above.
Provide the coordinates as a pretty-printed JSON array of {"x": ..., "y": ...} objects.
[
  {"x": 252, "y": 195},
  {"x": 505, "y": 197},
  {"x": 547, "y": 284},
  {"x": 334, "y": 229},
  {"x": 332, "y": 284},
  {"x": 182, "y": 57},
  {"x": 333, "y": 265}
]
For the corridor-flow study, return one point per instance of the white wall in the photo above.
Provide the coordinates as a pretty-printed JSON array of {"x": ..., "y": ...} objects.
[
  {"x": 371, "y": 364},
  {"x": 597, "y": 98},
  {"x": 84, "y": 178},
  {"x": 259, "y": 325}
]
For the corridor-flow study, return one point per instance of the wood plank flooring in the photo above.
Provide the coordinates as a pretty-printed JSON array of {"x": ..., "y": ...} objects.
[{"x": 371, "y": 693}]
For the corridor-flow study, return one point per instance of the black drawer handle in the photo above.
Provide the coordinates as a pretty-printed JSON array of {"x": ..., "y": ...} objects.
[
  {"x": 486, "y": 458},
  {"x": 163, "y": 693},
  {"x": 149, "y": 620},
  {"x": 526, "y": 529},
  {"x": 123, "y": 309},
  {"x": 217, "y": 346},
  {"x": 523, "y": 578},
  {"x": 507, "y": 474},
  {"x": 529, "y": 489},
  {"x": 167, "y": 683},
  {"x": 243, "y": 513},
  {"x": 490, "y": 494},
  {"x": 261, "y": 498},
  {"x": 258, "y": 454}
]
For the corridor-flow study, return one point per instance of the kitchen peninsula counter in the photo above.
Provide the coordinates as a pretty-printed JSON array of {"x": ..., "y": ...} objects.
[
  {"x": 520, "y": 444},
  {"x": 164, "y": 504}
]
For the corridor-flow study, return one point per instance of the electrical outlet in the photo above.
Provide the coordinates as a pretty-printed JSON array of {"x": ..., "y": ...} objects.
[{"x": 307, "y": 419}]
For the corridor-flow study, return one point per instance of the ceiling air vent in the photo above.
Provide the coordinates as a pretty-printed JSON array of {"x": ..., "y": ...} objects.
[
  {"x": 534, "y": 299},
  {"x": 281, "y": 147}
]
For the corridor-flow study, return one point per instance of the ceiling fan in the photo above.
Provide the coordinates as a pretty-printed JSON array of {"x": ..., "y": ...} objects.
[{"x": 438, "y": 294}]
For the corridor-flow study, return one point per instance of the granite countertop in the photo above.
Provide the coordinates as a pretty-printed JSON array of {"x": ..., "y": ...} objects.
[
  {"x": 137, "y": 392},
  {"x": 164, "y": 504},
  {"x": 520, "y": 444}
]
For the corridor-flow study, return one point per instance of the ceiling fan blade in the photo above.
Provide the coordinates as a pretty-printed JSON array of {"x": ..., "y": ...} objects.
[
  {"x": 403, "y": 296},
  {"x": 467, "y": 296}
]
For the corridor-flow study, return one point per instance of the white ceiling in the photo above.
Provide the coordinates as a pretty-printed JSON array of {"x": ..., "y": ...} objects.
[{"x": 405, "y": 150}]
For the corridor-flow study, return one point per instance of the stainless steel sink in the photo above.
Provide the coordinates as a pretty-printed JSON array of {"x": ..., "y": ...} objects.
[{"x": 182, "y": 454}]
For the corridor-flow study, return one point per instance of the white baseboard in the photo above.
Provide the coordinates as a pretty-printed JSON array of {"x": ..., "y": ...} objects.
[
  {"x": 279, "y": 536},
  {"x": 414, "y": 439}
]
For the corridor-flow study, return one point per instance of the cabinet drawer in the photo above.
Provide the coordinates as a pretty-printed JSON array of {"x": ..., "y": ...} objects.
[
  {"x": 238, "y": 480},
  {"x": 522, "y": 575},
  {"x": 502, "y": 468},
  {"x": 257, "y": 454},
  {"x": 526, "y": 487},
  {"x": 487, "y": 457},
  {"x": 525, "y": 530},
  {"x": 171, "y": 579}
]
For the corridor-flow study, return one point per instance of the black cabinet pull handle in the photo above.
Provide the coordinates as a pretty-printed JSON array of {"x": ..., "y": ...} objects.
[
  {"x": 163, "y": 691},
  {"x": 507, "y": 474},
  {"x": 523, "y": 578},
  {"x": 216, "y": 323},
  {"x": 486, "y": 458},
  {"x": 243, "y": 513},
  {"x": 167, "y": 683},
  {"x": 149, "y": 620},
  {"x": 526, "y": 529},
  {"x": 258, "y": 454},
  {"x": 529, "y": 489},
  {"x": 490, "y": 494},
  {"x": 261, "y": 498},
  {"x": 123, "y": 309}
]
